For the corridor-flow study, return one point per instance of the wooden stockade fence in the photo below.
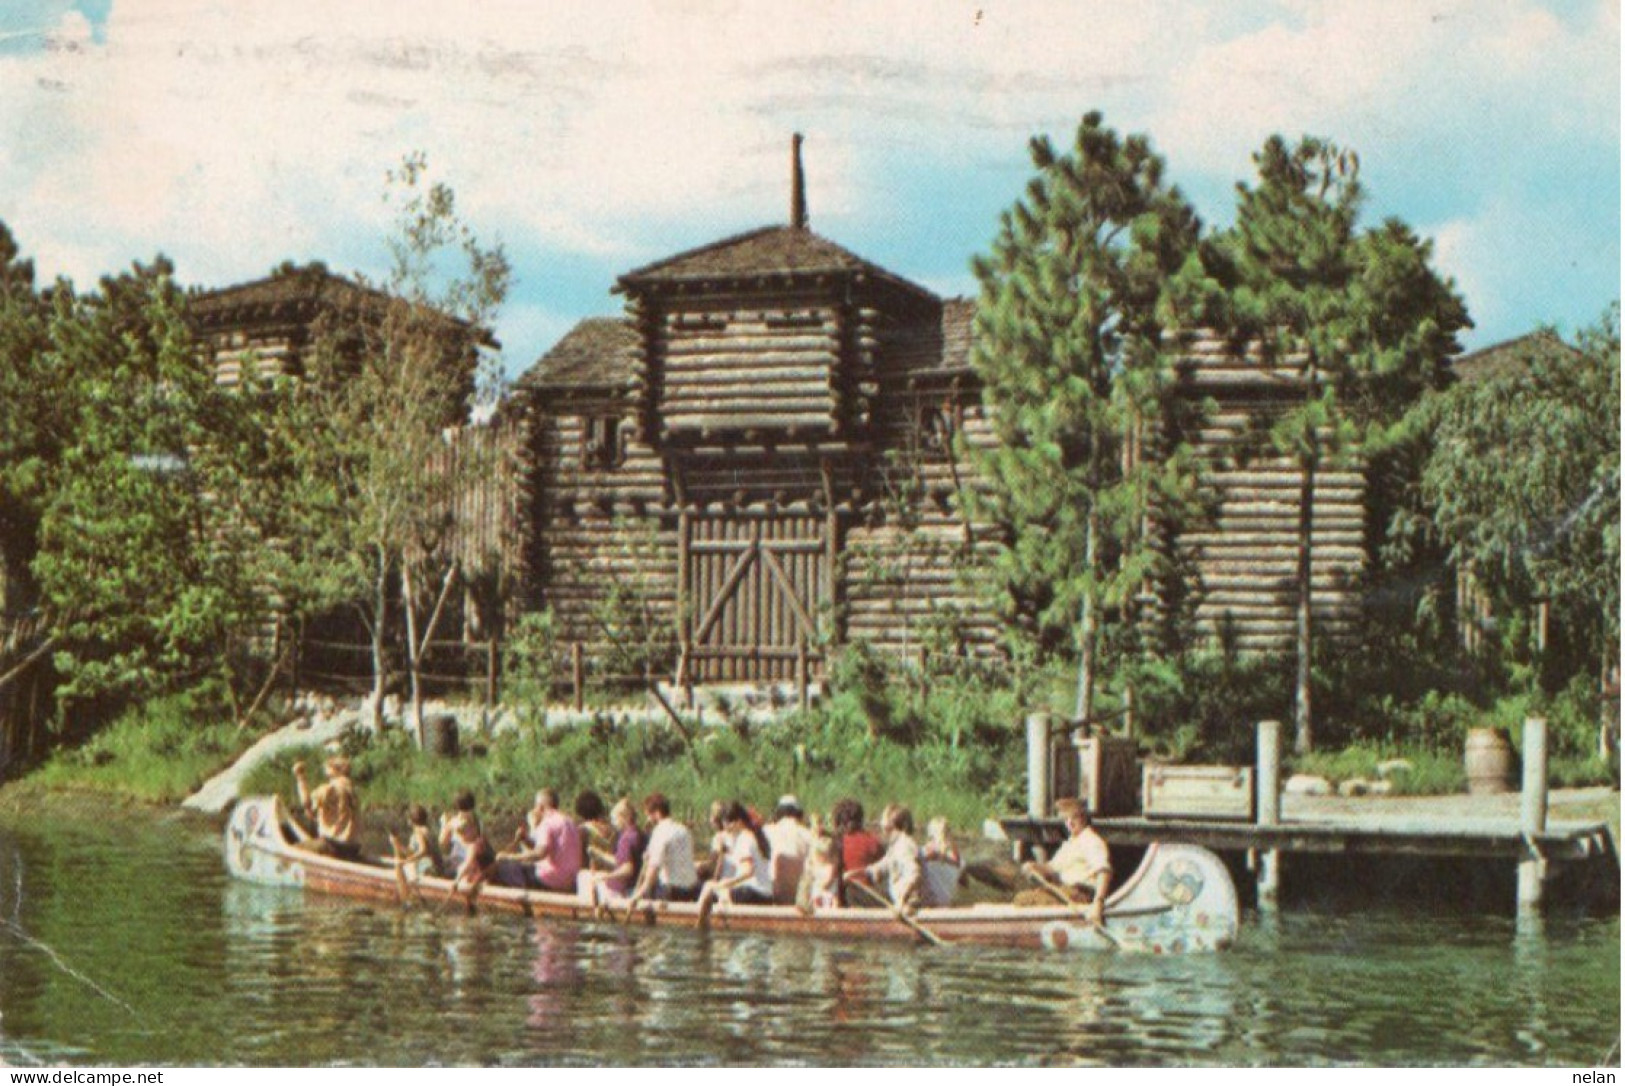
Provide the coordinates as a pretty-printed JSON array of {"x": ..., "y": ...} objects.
[{"x": 578, "y": 672}]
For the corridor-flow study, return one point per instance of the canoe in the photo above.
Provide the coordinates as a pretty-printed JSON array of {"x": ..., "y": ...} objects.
[{"x": 1179, "y": 900}]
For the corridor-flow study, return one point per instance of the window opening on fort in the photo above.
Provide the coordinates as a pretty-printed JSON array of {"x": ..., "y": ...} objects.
[{"x": 601, "y": 442}]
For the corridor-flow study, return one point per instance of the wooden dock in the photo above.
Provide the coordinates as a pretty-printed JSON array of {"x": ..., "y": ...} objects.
[
  {"x": 1516, "y": 832},
  {"x": 1375, "y": 834}
]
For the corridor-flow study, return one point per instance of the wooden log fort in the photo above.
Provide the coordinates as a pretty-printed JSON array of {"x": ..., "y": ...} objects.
[
  {"x": 762, "y": 450},
  {"x": 768, "y": 448}
]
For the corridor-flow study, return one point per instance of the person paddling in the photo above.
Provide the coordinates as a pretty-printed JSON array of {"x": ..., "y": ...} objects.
[
  {"x": 419, "y": 857},
  {"x": 750, "y": 879},
  {"x": 623, "y": 865},
  {"x": 900, "y": 866},
  {"x": 855, "y": 847},
  {"x": 335, "y": 808},
  {"x": 1082, "y": 866},
  {"x": 668, "y": 860}
]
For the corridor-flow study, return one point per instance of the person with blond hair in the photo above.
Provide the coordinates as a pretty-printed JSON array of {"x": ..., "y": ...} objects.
[
  {"x": 1081, "y": 868},
  {"x": 335, "y": 808},
  {"x": 623, "y": 865}
]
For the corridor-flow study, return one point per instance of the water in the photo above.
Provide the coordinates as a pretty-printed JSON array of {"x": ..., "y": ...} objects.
[{"x": 160, "y": 959}]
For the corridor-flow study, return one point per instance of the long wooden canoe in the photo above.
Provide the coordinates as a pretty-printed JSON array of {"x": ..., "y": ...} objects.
[{"x": 1179, "y": 900}]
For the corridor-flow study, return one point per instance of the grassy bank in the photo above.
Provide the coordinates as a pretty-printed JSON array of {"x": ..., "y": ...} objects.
[
  {"x": 158, "y": 753},
  {"x": 951, "y": 746},
  {"x": 821, "y": 758}
]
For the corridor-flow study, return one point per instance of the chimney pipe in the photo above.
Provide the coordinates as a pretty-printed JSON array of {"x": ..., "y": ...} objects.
[{"x": 798, "y": 186}]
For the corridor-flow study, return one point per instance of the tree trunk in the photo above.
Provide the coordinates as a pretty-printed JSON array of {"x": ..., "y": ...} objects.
[
  {"x": 418, "y": 646},
  {"x": 1302, "y": 709},
  {"x": 379, "y": 665},
  {"x": 414, "y": 666},
  {"x": 1087, "y": 623}
]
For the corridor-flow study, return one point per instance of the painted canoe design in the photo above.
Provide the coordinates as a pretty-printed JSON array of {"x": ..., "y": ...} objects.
[{"x": 1180, "y": 900}]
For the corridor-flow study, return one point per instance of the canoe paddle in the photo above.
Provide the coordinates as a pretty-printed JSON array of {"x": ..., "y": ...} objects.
[
  {"x": 449, "y": 894},
  {"x": 1066, "y": 899},
  {"x": 400, "y": 872},
  {"x": 896, "y": 910}
]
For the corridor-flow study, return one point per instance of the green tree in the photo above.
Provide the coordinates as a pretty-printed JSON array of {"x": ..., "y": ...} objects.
[
  {"x": 139, "y": 595},
  {"x": 1523, "y": 485},
  {"x": 389, "y": 380},
  {"x": 1075, "y": 295},
  {"x": 29, "y": 430},
  {"x": 1361, "y": 316}
]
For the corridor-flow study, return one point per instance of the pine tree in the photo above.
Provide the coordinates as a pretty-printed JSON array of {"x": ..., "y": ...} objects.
[
  {"x": 1075, "y": 295},
  {"x": 1361, "y": 316}
]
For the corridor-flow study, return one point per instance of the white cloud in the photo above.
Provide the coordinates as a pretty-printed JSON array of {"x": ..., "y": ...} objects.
[{"x": 236, "y": 133}]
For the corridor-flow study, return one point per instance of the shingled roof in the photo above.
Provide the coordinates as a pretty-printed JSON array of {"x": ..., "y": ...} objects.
[
  {"x": 597, "y": 353},
  {"x": 1511, "y": 357},
  {"x": 771, "y": 250},
  {"x": 285, "y": 293}
]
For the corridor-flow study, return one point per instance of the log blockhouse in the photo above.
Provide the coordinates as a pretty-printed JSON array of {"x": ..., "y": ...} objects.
[
  {"x": 763, "y": 448},
  {"x": 263, "y": 330},
  {"x": 1244, "y": 560}
]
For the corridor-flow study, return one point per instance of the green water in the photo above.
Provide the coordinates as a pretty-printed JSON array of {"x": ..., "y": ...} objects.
[{"x": 122, "y": 942}]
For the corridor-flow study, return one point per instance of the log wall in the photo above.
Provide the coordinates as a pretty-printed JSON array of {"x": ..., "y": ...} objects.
[
  {"x": 1245, "y": 561},
  {"x": 596, "y": 525},
  {"x": 262, "y": 352},
  {"x": 716, "y": 365}
]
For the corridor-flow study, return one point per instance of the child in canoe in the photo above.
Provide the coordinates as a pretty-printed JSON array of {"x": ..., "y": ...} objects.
[
  {"x": 472, "y": 857},
  {"x": 419, "y": 857}
]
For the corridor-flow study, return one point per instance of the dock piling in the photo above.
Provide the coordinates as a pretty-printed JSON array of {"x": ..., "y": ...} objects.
[
  {"x": 1532, "y": 868},
  {"x": 1038, "y": 767},
  {"x": 1268, "y": 781}
]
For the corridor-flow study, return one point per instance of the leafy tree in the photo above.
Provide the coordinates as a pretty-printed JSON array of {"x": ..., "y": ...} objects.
[
  {"x": 30, "y": 424},
  {"x": 1523, "y": 484},
  {"x": 1075, "y": 295},
  {"x": 138, "y": 593},
  {"x": 1359, "y": 314},
  {"x": 389, "y": 378}
]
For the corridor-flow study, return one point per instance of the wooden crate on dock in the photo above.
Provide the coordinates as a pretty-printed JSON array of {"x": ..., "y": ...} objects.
[
  {"x": 1198, "y": 791},
  {"x": 1100, "y": 770}
]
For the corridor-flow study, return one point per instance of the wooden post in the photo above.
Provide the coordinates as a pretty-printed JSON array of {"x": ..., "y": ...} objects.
[
  {"x": 1038, "y": 767},
  {"x": 1532, "y": 868},
  {"x": 1128, "y": 711},
  {"x": 1268, "y": 781},
  {"x": 804, "y": 699},
  {"x": 578, "y": 677},
  {"x": 491, "y": 673}
]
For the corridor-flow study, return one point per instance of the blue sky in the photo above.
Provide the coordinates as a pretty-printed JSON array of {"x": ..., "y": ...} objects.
[{"x": 590, "y": 139}]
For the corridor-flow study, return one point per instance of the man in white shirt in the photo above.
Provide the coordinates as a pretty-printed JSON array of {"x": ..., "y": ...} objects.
[
  {"x": 789, "y": 842},
  {"x": 1083, "y": 864},
  {"x": 668, "y": 860}
]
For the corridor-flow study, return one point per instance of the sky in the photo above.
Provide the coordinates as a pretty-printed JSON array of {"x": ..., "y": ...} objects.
[{"x": 590, "y": 138}]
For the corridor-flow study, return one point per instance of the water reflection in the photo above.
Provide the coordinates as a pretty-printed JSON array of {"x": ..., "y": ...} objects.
[{"x": 218, "y": 971}]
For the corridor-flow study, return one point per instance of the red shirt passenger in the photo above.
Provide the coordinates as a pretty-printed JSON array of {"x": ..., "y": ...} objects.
[{"x": 858, "y": 847}]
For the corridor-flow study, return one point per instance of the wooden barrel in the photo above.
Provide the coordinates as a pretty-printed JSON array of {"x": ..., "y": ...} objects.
[
  {"x": 1491, "y": 762},
  {"x": 442, "y": 735}
]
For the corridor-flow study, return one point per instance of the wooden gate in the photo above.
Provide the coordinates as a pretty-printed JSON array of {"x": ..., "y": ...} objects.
[{"x": 752, "y": 589}]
